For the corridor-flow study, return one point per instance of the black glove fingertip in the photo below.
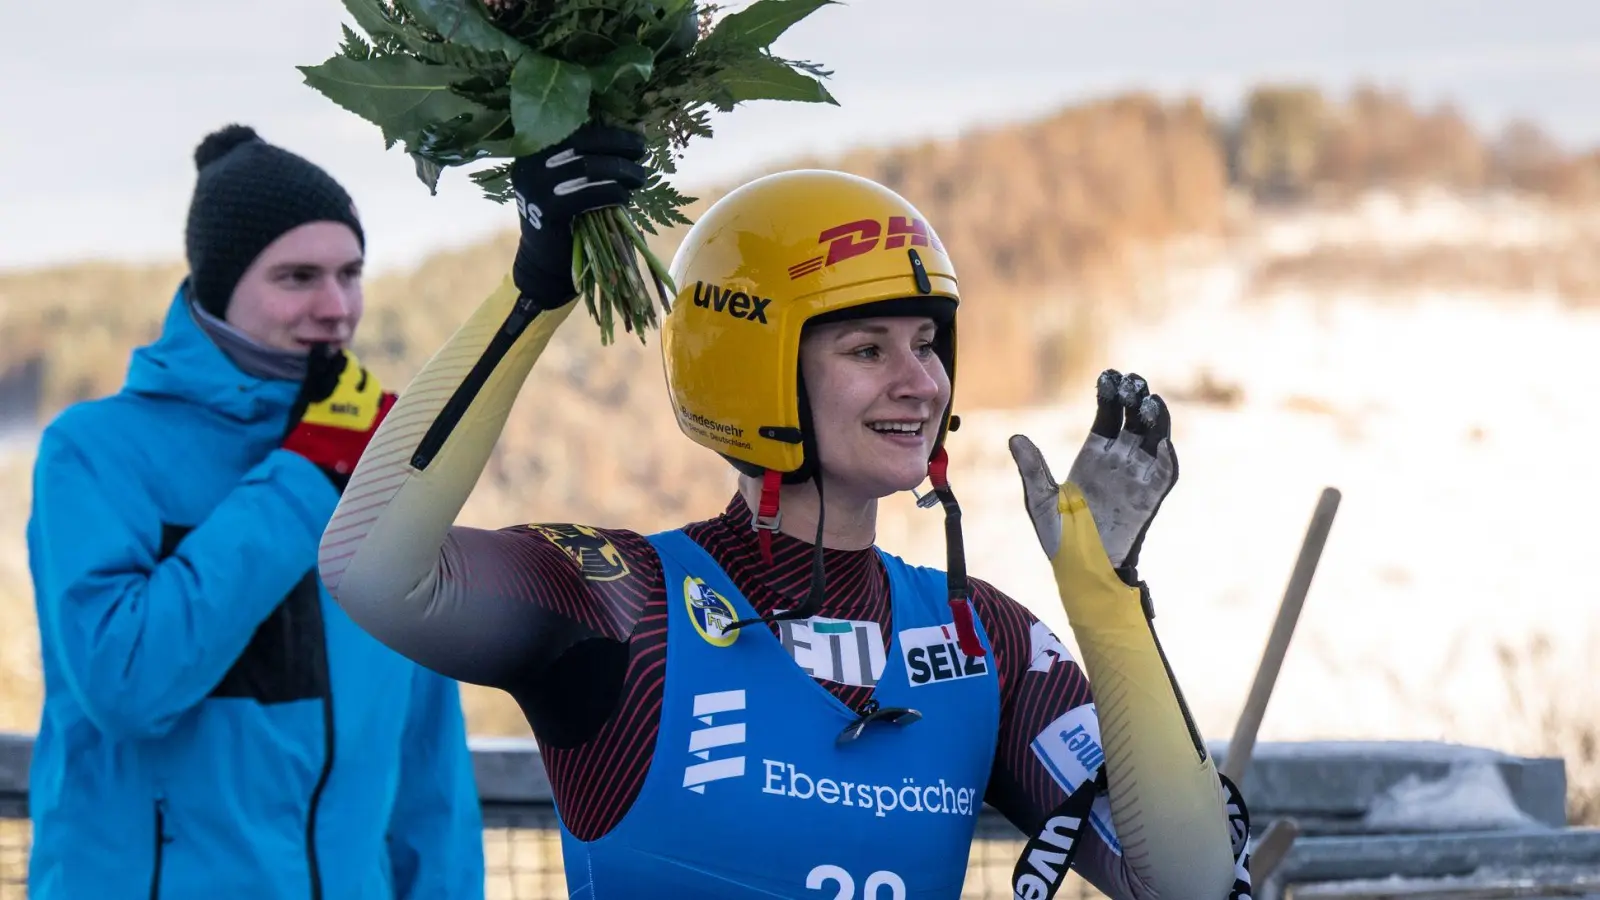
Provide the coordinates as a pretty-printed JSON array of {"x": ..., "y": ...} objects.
[
  {"x": 608, "y": 140},
  {"x": 634, "y": 176},
  {"x": 1132, "y": 391},
  {"x": 1130, "y": 394},
  {"x": 1107, "y": 385},
  {"x": 1161, "y": 417},
  {"x": 1108, "y": 409},
  {"x": 629, "y": 175},
  {"x": 1155, "y": 424}
]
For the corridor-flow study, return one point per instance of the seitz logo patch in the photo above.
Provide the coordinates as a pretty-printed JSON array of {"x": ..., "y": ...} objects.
[
  {"x": 933, "y": 655},
  {"x": 738, "y": 304},
  {"x": 852, "y": 239}
]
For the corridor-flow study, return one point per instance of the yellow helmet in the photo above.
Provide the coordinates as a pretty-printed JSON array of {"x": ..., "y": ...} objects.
[
  {"x": 764, "y": 261},
  {"x": 775, "y": 254}
]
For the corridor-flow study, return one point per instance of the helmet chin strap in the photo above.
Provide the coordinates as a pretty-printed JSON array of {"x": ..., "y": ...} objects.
[
  {"x": 955, "y": 556},
  {"x": 768, "y": 516}
]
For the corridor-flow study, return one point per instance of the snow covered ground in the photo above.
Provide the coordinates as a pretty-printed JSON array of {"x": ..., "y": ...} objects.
[{"x": 1457, "y": 429}]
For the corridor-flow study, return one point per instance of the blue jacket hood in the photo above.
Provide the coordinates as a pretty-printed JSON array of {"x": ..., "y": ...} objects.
[{"x": 184, "y": 364}]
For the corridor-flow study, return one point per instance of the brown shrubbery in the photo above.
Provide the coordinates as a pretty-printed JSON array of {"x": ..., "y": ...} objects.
[
  {"x": 1040, "y": 216},
  {"x": 1291, "y": 142}
]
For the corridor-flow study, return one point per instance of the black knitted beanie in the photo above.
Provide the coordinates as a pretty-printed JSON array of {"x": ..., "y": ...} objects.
[{"x": 248, "y": 194}]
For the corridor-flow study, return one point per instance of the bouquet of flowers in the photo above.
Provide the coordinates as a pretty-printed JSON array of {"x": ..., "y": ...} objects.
[{"x": 455, "y": 82}]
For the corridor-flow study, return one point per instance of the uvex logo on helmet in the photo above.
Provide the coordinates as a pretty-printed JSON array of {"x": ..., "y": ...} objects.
[
  {"x": 738, "y": 304},
  {"x": 864, "y": 236}
]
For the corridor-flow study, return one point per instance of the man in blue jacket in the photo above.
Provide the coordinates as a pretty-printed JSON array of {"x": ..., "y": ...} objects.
[{"x": 214, "y": 725}]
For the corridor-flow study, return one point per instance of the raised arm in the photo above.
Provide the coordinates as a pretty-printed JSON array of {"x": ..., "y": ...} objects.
[
  {"x": 466, "y": 602},
  {"x": 1167, "y": 803}
]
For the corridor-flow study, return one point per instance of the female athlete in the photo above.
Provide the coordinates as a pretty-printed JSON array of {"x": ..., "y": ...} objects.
[{"x": 763, "y": 703}]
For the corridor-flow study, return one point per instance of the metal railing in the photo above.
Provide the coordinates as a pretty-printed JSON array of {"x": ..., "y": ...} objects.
[
  {"x": 521, "y": 843},
  {"x": 1328, "y": 788}
]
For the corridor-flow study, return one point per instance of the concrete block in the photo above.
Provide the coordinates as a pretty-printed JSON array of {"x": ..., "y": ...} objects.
[{"x": 1352, "y": 787}]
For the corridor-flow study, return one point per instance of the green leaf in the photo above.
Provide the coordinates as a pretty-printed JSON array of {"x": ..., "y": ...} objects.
[
  {"x": 463, "y": 22},
  {"x": 495, "y": 182},
  {"x": 354, "y": 46},
  {"x": 400, "y": 95},
  {"x": 549, "y": 100},
  {"x": 670, "y": 8},
  {"x": 768, "y": 78},
  {"x": 624, "y": 68},
  {"x": 369, "y": 14},
  {"x": 763, "y": 22},
  {"x": 677, "y": 30}
]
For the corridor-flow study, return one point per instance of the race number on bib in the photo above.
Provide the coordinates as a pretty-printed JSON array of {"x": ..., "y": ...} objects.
[{"x": 880, "y": 885}]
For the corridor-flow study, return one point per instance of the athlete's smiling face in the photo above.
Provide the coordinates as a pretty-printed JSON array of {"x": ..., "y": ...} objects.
[{"x": 878, "y": 392}]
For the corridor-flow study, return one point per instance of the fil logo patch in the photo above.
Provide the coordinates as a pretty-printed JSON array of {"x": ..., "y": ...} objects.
[
  {"x": 1071, "y": 751},
  {"x": 933, "y": 655},
  {"x": 713, "y": 732},
  {"x": 843, "y": 651},
  {"x": 710, "y": 612}
]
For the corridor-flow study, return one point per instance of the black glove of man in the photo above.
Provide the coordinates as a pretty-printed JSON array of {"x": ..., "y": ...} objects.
[{"x": 597, "y": 166}]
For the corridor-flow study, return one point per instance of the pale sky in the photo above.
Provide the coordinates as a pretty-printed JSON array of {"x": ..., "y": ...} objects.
[{"x": 104, "y": 100}]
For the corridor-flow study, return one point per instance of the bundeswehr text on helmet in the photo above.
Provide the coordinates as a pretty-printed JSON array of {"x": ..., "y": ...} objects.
[
  {"x": 711, "y": 428},
  {"x": 738, "y": 304}
]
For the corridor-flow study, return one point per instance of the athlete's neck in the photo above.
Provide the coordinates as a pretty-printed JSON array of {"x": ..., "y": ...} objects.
[{"x": 847, "y": 523}]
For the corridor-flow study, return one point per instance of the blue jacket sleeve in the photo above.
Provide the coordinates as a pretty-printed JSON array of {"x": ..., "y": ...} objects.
[
  {"x": 140, "y": 640},
  {"x": 436, "y": 828}
]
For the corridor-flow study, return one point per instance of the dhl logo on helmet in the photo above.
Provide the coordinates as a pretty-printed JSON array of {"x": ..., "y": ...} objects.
[{"x": 864, "y": 236}]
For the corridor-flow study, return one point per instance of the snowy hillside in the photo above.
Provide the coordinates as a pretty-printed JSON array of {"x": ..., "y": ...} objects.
[{"x": 1456, "y": 427}]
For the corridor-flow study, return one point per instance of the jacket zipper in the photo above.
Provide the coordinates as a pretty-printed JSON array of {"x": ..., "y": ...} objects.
[
  {"x": 327, "y": 769},
  {"x": 161, "y": 840}
]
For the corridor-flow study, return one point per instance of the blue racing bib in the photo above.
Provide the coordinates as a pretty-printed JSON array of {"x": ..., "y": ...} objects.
[{"x": 764, "y": 784}]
